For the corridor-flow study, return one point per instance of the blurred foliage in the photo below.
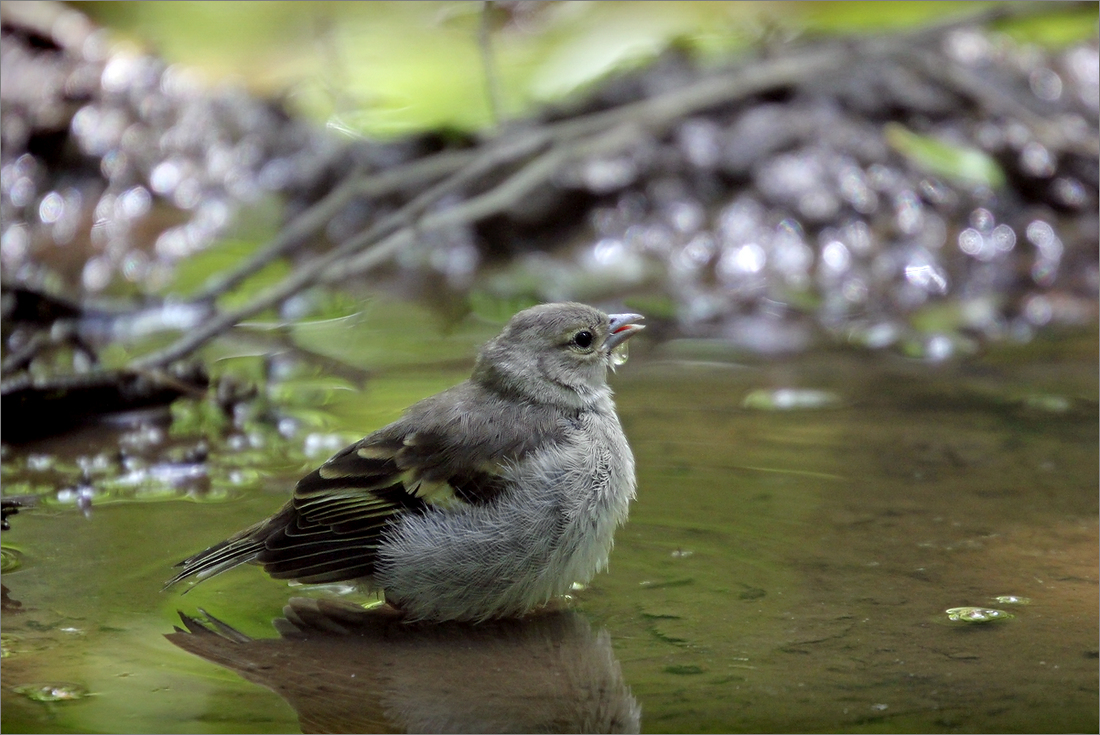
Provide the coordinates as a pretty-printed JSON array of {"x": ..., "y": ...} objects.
[
  {"x": 392, "y": 334},
  {"x": 872, "y": 17},
  {"x": 1071, "y": 24},
  {"x": 1064, "y": 23},
  {"x": 961, "y": 164},
  {"x": 198, "y": 418},
  {"x": 253, "y": 227},
  {"x": 497, "y": 310},
  {"x": 192, "y": 272},
  {"x": 391, "y": 68}
]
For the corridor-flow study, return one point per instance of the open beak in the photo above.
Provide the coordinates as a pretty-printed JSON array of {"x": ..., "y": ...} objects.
[{"x": 623, "y": 327}]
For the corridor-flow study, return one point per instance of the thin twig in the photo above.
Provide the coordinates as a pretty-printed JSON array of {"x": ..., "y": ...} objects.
[
  {"x": 488, "y": 62},
  {"x": 313, "y": 220},
  {"x": 500, "y": 198},
  {"x": 23, "y": 356},
  {"x": 293, "y": 234}
]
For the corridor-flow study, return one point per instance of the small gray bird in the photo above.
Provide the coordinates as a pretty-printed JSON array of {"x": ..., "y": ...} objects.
[{"x": 483, "y": 501}]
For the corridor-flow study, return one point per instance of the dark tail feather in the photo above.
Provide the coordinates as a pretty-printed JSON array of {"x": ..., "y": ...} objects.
[
  {"x": 240, "y": 548},
  {"x": 217, "y": 559}
]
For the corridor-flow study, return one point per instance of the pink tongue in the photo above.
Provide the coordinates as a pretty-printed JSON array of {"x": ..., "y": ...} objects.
[{"x": 622, "y": 328}]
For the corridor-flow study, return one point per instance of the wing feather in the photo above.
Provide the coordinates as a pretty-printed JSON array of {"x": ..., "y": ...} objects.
[{"x": 450, "y": 450}]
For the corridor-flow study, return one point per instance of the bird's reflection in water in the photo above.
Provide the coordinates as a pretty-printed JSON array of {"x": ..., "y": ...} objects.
[{"x": 344, "y": 669}]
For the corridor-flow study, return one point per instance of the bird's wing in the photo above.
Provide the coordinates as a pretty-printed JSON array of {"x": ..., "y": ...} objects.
[
  {"x": 331, "y": 529},
  {"x": 448, "y": 451}
]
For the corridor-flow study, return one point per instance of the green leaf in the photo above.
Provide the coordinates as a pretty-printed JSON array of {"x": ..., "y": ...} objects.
[
  {"x": 961, "y": 164},
  {"x": 1063, "y": 26}
]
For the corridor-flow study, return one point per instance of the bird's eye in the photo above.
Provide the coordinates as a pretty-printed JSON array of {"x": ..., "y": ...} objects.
[{"x": 583, "y": 339}]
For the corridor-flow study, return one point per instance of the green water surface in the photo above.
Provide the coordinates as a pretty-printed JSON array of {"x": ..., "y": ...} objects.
[{"x": 783, "y": 569}]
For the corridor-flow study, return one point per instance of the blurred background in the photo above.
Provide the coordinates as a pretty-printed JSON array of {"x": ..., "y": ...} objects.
[
  {"x": 925, "y": 193},
  {"x": 237, "y": 236}
]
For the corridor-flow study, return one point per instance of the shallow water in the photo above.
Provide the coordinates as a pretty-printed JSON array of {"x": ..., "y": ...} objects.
[{"x": 784, "y": 569}]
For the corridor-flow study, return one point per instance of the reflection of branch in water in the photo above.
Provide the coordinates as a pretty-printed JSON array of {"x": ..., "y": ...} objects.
[{"x": 347, "y": 670}]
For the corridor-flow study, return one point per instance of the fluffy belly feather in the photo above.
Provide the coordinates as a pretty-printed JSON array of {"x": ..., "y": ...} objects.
[{"x": 552, "y": 529}]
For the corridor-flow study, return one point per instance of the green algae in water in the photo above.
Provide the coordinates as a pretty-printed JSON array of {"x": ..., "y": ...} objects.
[
  {"x": 10, "y": 560},
  {"x": 788, "y": 399},
  {"x": 976, "y": 615},
  {"x": 58, "y": 692},
  {"x": 768, "y": 530}
]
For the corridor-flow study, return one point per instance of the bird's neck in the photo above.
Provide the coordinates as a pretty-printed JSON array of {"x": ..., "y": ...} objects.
[{"x": 516, "y": 383}]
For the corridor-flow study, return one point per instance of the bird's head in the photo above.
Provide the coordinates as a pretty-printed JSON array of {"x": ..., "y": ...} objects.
[{"x": 556, "y": 354}]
